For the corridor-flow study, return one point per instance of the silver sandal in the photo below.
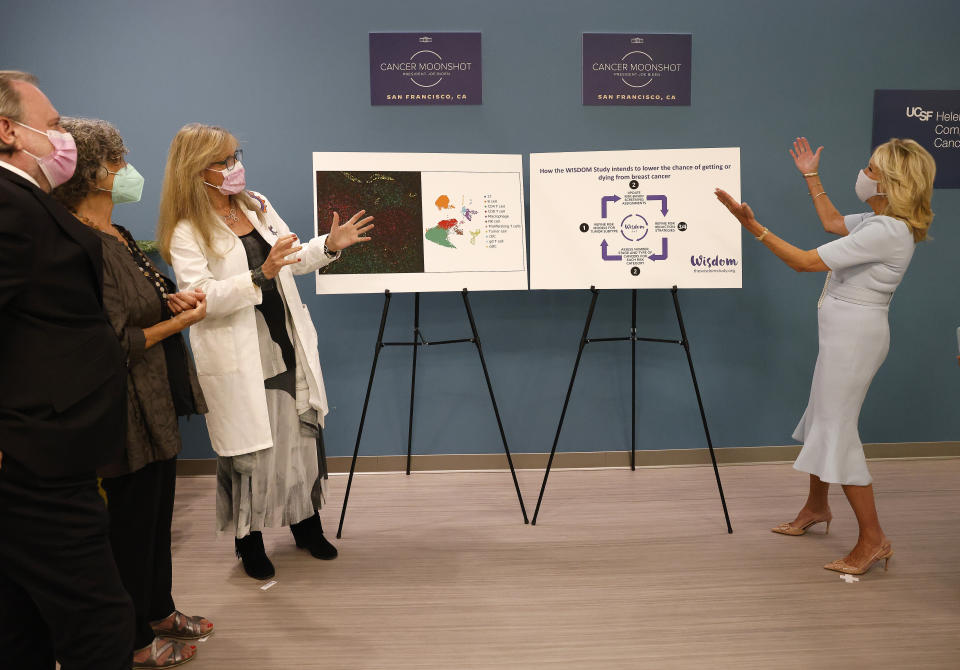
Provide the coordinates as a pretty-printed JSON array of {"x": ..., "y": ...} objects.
[
  {"x": 184, "y": 627},
  {"x": 158, "y": 648}
]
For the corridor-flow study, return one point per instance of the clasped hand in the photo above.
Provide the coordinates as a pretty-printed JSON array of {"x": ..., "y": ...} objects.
[
  {"x": 184, "y": 300},
  {"x": 188, "y": 307}
]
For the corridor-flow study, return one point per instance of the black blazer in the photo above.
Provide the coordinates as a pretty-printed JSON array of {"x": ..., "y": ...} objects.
[{"x": 62, "y": 370}]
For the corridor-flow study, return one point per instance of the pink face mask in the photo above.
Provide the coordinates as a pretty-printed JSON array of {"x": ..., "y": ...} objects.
[
  {"x": 234, "y": 180},
  {"x": 58, "y": 165}
]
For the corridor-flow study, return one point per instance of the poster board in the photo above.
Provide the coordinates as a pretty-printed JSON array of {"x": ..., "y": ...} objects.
[
  {"x": 443, "y": 222},
  {"x": 634, "y": 219}
]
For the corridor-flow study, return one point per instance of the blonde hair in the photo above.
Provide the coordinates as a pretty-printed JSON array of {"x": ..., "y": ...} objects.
[
  {"x": 184, "y": 196},
  {"x": 906, "y": 179}
]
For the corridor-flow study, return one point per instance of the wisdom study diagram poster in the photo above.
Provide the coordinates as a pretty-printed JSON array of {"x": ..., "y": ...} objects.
[
  {"x": 443, "y": 222},
  {"x": 634, "y": 219}
]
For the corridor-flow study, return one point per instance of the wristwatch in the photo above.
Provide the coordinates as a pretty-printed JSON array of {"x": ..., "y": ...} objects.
[
  {"x": 260, "y": 280},
  {"x": 328, "y": 253}
]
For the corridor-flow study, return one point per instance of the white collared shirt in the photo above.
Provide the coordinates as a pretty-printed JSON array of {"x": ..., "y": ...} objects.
[{"x": 15, "y": 170}]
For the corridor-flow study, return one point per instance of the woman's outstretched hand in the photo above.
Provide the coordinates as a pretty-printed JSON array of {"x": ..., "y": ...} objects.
[
  {"x": 741, "y": 210},
  {"x": 349, "y": 233},
  {"x": 804, "y": 158},
  {"x": 797, "y": 259}
]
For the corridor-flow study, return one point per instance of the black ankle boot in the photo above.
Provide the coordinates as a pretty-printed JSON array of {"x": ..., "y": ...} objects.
[
  {"x": 255, "y": 562},
  {"x": 308, "y": 534}
]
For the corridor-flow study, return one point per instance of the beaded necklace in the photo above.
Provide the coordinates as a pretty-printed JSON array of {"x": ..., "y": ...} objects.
[
  {"x": 145, "y": 266},
  {"x": 143, "y": 263}
]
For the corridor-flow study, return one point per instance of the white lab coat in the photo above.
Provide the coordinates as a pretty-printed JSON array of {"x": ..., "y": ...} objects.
[{"x": 225, "y": 343}]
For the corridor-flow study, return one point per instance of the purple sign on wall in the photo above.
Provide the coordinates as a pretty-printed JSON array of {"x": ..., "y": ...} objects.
[
  {"x": 425, "y": 69},
  {"x": 932, "y": 118},
  {"x": 632, "y": 69}
]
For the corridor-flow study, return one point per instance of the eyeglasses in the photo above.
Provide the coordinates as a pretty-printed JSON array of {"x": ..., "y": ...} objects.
[
  {"x": 103, "y": 170},
  {"x": 230, "y": 161}
]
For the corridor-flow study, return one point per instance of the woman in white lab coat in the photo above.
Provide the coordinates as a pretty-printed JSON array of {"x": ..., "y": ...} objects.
[{"x": 256, "y": 352}]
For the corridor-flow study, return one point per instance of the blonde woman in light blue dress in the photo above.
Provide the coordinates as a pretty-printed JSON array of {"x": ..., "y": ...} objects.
[{"x": 864, "y": 266}]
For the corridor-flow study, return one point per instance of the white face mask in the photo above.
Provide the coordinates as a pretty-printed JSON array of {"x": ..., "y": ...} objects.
[{"x": 866, "y": 188}]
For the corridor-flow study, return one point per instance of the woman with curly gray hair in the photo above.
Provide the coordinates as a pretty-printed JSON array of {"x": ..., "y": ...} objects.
[{"x": 145, "y": 310}]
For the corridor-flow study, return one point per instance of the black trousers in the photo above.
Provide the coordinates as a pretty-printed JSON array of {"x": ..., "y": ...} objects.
[
  {"x": 60, "y": 594},
  {"x": 141, "y": 512}
]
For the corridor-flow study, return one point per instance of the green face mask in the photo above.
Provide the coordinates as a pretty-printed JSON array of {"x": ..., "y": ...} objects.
[{"x": 127, "y": 184}]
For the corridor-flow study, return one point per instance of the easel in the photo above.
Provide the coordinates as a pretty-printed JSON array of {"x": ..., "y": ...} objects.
[
  {"x": 633, "y": 339},
  {"x": 419, "y": 341}
]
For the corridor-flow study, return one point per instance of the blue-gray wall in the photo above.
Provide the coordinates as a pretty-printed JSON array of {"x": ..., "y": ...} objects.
[{"x": 291, "y": 77}]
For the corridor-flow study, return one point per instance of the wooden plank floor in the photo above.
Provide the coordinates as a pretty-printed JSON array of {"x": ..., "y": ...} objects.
[{"x": 623, "y": 570}]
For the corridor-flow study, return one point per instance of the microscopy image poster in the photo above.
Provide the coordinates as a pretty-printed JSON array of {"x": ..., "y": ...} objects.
[
  {"x": 632, "y": 69},
  {"x": 443, "y": 222},
  {"x": 425, "y": 69}
]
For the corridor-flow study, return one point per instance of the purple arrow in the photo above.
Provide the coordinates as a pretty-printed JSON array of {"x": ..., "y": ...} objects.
[
  {"x": 662, "y": 256},
  {"x": 603, "y": 253},
  {"x": 603, "y": 204},
  {"x": 663, "y": 199}
]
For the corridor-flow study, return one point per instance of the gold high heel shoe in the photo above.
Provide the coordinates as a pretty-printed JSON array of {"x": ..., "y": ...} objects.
[
  {"x": 884, "y": 553},
  {"x": 786, "y": 529}
]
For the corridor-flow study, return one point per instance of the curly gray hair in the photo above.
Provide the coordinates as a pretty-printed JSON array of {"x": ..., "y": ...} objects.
[{"x": 97, "y": 142}]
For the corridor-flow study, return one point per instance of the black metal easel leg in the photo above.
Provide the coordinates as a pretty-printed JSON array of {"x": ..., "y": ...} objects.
[
  {"x": 413, "y": 377},
  {"x": 633, "y": 382},
  {"x": 493, "y": 400},
  {"x": 703, "y": 416},
  {"x": 363, "y": 414},
  {"x": 566, "y": 401}
]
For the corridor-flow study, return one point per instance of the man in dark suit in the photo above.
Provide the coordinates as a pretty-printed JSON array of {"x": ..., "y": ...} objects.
[{"x": 62, "y": 394}]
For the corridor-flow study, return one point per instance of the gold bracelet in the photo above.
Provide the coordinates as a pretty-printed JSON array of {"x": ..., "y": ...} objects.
[
  {"x": 811, "y": 174},
  {"x": 762, "y": 235},
  {"x": 819, "y": 194}
]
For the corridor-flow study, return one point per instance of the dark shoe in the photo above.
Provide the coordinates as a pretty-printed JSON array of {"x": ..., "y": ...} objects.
[
  {"x": 308, "y": 534},
  {"x": 255, "y": 562}
]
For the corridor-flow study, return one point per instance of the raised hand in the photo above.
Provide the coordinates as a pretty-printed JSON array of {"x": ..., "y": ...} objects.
[
  {"x": 349, "y": 233},
  {"x": 804, "y": 158},
  {"x": 278, "y": 256},
  {"x": 740, "y": 210}
]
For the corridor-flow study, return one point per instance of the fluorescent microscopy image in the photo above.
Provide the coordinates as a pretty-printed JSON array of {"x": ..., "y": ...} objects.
[{"x": 394, "y": 198}]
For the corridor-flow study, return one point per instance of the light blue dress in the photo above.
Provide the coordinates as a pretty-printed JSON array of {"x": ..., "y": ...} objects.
[{"x": 866, "y": 267}]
